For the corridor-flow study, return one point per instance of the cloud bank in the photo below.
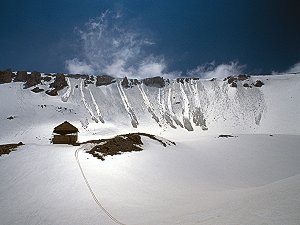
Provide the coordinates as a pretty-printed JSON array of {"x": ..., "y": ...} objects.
[
  {"x": 210, "y": 70},
  {"x": 109, "y": 45}
]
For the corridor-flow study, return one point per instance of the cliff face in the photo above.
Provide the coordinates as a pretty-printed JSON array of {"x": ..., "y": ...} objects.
[{"x": 266, "y": 104}]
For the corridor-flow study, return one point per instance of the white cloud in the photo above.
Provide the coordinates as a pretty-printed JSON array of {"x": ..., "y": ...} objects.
[
  {"x": 110, "y": 46},
  {"x": 294, "y": 69},
  {"x": 75, "y": 66},
  {"x": 220, "y": 71}
]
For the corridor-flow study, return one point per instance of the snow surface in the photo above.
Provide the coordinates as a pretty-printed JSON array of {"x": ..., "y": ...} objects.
[{"x": 252, "y": 178}]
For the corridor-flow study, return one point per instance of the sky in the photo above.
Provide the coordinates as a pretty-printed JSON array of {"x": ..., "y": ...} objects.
[{"x": 148, "y": 37}]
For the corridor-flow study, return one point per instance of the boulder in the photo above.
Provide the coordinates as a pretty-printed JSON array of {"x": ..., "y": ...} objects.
[
  {"x": 5, "y": 76},
  {"x": 231, "y": 79},
  {"x": 47, "y": 78},
  {"x": 33, "y": 79},
  {"x": 233, "y": 84},
  {"x": 154, "y": 82},
  {"x": 105, "y": 80},
  {"x": 52, "y": 92},
  {"x": 125, "y": 83},
  {"x": 59, "y": 82},
  {"x": 37, "y": 90},
  {"x": 243, "y": 77},
  {"x": 258, "y": 83},
  {"x": 22, "y": 76}
]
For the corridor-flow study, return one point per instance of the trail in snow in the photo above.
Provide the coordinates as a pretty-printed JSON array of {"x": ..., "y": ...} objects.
[
  {"x": 148, "y": 104},
  {"x": 127, "y": 106},
  {"x": 185, "y": 110},
  {"x": 92, "y": 192},
  {"x": 96, "y": 107},
  {"x": 66, "y": 95},
  {"x": 86, "y": 104}
]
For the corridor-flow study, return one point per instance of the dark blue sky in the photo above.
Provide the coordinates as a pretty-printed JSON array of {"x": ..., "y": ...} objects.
[{"x": 263, "y": 34}]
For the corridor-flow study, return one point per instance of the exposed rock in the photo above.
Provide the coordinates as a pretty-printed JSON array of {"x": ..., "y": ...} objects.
[
  {"x": 52, "y": 92},
  {"x": 122, "y": 143},
  {"x": 135, "y": 81},
  {"x": 181, "y": 80},
  {"x": 187, "y": 79},
  {"x": 154, "y": 82},
  {"x": 59, "y": 82},
  {"x": 47, "y": 79},
  {"x": 125, "y": 83},
  {"x": 5, "y": 76},
  {"x": 86, "y": 82},
  {"x": 33, "y": 79},
  {"x": 225, "y": 136},
  {"x": 243, "y": 77},
  {"x": 258, "y": 83},
  {"x": 6, "y": 149},
  {"x": 213, "y": 79},
  {"x": 22, "y": 76},
  {"x": 231, "y": 79},
  {"x": 105, "y": 80},
  {"x": 234, "y": 84},
  {"x": 11, "y": 117},
  {"x": 37, "y": 90},
  {"x": 76, "y": 86},
  {"x": 246, "y": 85}
]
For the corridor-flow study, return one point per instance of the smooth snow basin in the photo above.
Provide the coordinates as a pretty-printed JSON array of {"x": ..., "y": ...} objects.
[{"x": 249, "y": 179}]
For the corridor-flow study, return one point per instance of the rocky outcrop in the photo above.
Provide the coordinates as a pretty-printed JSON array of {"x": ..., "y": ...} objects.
[
  {"x": 59, "y": 82},
  {"x": 233, "y": 84},
  {"x": 5, "y": 76},
  {"x": 258, "y": 83},
  {"x": 22, "y": 76},
  {"x": 154, "y": 82},
  {"x": 47, "y": 78},
  {"x": 105, "y": 80},
  {"x": 33, "y": 79},
  {"x": 243, "y": 77},
  {"x": 52, "y": 92},
  {"x": 125, "y": 83},
  {"x": 37, "y": 90}
]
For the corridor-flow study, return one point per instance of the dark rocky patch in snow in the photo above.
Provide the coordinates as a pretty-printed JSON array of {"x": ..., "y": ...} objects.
[
  {"x": 33, "y": 79},
  {"x": 154, "y": 82},
  {"x": 122, "y": 143},
  {"x": 37, "y": 90},
  {"x": 8, "y": 148},
  {"x": 5, "y": 76},
  {"x": 105, "y": 80},
  {"x": 22, "y": 76},
  {"x": 225, "y": 136},
  {"x": 258, "y": 83},
  {"x": 59, "y": 82}
]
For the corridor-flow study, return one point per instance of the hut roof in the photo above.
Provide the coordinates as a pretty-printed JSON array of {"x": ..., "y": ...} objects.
[{"x": 65, "y": 128}]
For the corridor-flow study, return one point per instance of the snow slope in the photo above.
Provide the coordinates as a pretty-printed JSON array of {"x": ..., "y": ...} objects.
[
  {"x": 253, "y": 178},
  {"x": 197, "y": 106}
]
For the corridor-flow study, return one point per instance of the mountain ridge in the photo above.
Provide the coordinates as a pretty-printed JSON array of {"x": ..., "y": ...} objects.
[{"x": 104, "y": 105}]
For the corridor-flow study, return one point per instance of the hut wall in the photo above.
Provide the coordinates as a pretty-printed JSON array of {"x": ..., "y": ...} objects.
[{"x": 64, "y": 139}]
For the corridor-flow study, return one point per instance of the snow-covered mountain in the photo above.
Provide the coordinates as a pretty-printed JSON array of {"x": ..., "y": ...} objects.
[
  {"x": 251, "y": 178},
  {"x": 181, "y": 105}
]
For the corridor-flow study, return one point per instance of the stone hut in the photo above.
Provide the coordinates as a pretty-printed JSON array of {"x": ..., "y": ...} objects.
[{"x": 65, "y": 133}]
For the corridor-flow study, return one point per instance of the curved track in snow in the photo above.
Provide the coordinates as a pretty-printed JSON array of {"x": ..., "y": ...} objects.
[{"x": 92, "y": 192}]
